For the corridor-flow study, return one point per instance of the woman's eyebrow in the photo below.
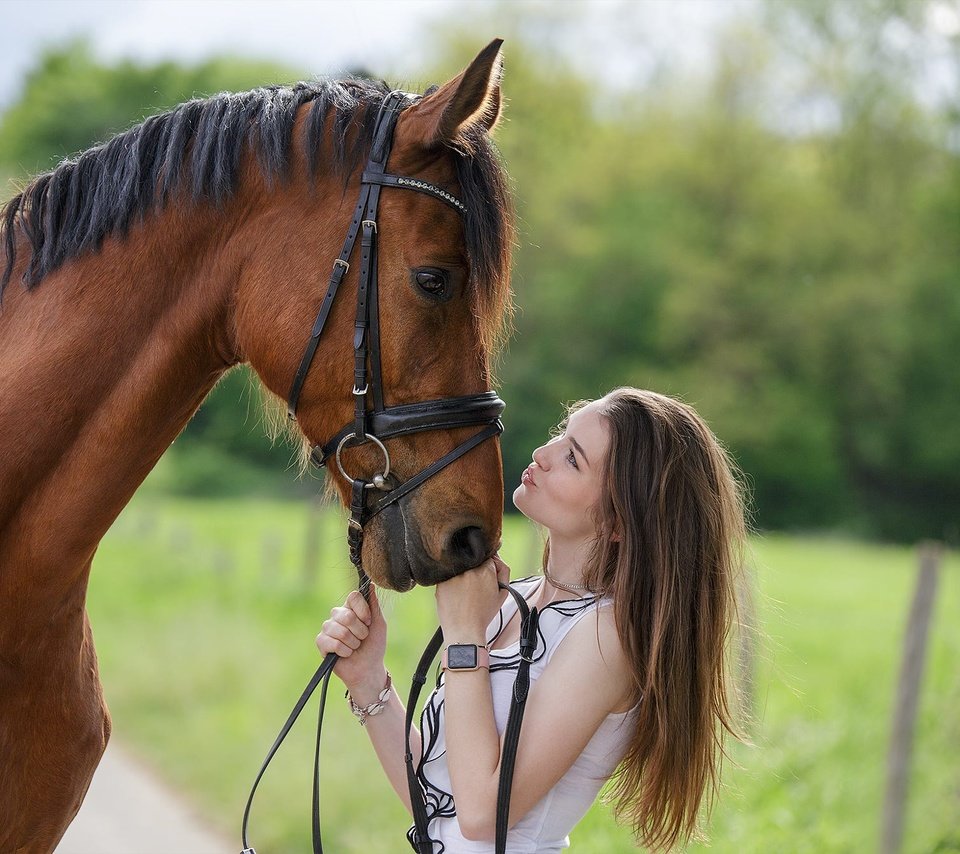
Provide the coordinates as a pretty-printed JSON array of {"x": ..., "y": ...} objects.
[{"x": 576, "y": 445}]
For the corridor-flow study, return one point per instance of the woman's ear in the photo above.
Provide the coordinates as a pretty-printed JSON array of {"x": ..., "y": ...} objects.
[{"x": 470, "y": 100}]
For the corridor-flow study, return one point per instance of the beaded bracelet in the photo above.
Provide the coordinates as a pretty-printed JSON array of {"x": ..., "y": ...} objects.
[{"x": 364, "y": 712}]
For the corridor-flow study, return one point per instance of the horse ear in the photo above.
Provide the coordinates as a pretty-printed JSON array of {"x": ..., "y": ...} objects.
[{"x": 469, "y": 100}]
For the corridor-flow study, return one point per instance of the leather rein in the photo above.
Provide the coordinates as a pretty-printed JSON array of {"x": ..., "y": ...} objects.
[{"x": 374, "y": 422}]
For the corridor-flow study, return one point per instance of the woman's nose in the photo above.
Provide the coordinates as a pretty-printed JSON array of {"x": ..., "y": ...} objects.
[{"x": 540, "y": 457}]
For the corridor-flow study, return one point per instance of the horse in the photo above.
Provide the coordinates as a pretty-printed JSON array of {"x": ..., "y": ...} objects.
[{"x": 152, "y": 264}]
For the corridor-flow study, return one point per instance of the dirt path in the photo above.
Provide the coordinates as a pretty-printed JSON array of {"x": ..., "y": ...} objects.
[{"x": 129, "y": 811}]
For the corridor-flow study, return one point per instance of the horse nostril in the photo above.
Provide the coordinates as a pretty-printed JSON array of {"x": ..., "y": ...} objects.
[{"x": 467, "y": 547}]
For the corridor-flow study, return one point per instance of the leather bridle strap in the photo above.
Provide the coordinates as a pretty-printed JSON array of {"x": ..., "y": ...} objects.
[
  {"x": 402, "y": 182},
  {"x": 412, "y": 483},
  {"x": 444, "y": 414},
  {"x": 340, "y": 268},
  {"x": 321, "y": 677},
  {"x": 529, "y": 629},
  {"x": 529, "y": 633},
  {"x": 364, "y": 220}
]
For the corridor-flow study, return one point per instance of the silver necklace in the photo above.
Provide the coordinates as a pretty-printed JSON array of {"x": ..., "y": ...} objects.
[{"x": 570, "y": 588}]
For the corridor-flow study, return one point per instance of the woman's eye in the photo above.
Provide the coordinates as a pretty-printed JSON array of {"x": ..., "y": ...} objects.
[
  {"x": 432, "y": 282},
  {"x": 572, "y": 459}
]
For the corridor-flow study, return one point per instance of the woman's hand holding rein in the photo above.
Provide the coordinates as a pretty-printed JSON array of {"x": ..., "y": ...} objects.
[{"x": 357, "y": 632}]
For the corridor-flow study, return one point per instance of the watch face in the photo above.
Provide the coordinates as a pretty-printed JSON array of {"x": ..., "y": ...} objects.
[{"x": 461, "y": 656}]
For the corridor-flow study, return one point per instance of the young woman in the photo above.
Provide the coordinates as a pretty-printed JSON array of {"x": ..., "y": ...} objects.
[{"x": 645, "y": 523}]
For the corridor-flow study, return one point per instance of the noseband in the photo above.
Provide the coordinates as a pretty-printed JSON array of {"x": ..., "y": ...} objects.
[{"x": 373, "y": 421}]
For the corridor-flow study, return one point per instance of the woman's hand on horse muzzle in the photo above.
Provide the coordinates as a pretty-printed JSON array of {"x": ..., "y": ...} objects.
[{"x": 468, "y": 602}]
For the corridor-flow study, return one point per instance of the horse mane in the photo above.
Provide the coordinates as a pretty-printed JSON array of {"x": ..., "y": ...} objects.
[{"x": 197, "y": 147}]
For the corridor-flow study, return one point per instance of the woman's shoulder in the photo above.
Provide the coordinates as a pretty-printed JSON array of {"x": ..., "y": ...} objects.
[
  {"x": 595, "y": 639},
  {"x": 596, "y": 629},
  {"x": 592, "y": 645}
]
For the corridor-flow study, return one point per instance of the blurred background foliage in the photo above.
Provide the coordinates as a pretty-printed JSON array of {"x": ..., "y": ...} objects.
[{"x": 776, "y": 240}]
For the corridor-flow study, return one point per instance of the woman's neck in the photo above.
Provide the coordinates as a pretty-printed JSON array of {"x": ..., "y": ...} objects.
[{"x": 565, "y": 567}]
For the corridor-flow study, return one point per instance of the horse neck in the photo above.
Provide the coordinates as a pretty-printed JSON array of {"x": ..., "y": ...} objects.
[{"x": 101, "y": 366}]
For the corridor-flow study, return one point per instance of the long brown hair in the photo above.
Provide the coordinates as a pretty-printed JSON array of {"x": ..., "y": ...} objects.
[{"x": 672, "y": 533}]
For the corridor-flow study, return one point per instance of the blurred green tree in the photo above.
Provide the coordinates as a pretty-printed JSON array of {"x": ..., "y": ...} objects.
[
  {"x": 71, "y": 100},
  {"x": 775, "y": 242}
]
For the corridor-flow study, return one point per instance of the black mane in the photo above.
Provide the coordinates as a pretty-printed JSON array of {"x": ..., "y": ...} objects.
[{"x": 197, "y": 148}]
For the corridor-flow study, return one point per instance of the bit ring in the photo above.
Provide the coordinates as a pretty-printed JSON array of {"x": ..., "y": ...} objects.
[{"x": 378, "y": 481}]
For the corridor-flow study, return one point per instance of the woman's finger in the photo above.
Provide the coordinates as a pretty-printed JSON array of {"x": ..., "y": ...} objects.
[
  {"x": 358, "y": 604},
  {"x": 342, "y": 633},
  {"x": 327, "y": 644},
  {"x": 503, "y": 572},
  {"x": 349, "y": 618}
]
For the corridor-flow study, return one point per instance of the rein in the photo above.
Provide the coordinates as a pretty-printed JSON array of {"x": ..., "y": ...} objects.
[{"x": 376, "y": 422}]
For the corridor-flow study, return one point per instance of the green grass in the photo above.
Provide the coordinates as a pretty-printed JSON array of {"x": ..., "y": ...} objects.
[{"x": 204, "y": 620}]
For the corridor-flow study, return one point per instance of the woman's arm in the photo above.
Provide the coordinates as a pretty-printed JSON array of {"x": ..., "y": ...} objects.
[
  {"x": 357, "y": 632},
  {"x": 386, "y": 731},
  {"x": 588, "y": 677}
]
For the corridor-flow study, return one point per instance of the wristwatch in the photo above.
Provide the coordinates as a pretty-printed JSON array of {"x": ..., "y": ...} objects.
[{"x": 465, "y": 656}]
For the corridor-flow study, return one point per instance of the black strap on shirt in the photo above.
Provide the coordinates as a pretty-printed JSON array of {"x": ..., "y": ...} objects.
[{"x": 529, "y": 622}]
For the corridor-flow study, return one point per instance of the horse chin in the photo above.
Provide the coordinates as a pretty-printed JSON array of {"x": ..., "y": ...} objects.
[
  {"x": 397, "y": 558},
  {"x": 385, "y": 552}
]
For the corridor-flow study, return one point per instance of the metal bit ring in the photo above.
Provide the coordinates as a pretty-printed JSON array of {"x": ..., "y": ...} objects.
[{"x": 379, "y": 481}]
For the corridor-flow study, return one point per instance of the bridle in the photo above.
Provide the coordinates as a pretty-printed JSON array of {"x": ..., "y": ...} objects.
[{"x": 373, "y": 420}]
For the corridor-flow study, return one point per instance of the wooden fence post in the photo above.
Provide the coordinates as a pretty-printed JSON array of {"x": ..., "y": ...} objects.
[{"x": 908, "y": 698}]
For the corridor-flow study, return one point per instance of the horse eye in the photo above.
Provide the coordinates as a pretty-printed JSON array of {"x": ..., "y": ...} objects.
[{"x": 432, "y": 282}]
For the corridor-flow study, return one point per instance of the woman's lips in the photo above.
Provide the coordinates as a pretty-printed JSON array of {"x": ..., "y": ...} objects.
[{"x": 527, "y": 478}]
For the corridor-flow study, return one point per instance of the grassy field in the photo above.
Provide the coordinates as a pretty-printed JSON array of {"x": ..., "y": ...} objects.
[{"x": 204, "y": 617}]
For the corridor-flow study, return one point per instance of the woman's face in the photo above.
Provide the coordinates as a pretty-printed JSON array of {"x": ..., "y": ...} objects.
[{"x": 560, "y": 488}]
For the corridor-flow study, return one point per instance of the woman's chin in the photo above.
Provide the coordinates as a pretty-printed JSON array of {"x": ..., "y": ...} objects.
[{"x": 520, "y": 501}]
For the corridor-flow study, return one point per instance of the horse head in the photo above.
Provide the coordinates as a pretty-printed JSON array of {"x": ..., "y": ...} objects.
[{"x": 439, "y": 296}]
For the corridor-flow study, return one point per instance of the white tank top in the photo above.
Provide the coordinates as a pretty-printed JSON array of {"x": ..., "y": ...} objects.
[{"x": 546, "y": 827}]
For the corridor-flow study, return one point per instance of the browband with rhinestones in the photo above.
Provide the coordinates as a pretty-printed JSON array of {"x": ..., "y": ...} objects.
[{"x": 387, "y": 180}]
